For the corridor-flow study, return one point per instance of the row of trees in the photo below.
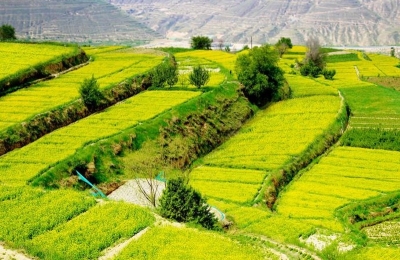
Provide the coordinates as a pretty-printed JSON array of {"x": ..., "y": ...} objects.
[{"x": 168, "y": 73}]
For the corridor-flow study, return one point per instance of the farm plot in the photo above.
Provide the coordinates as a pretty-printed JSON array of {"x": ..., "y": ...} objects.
[
  {"x": 225, "y": 59},
  {"x": 108, "y": 68},
  {"x": 186, "y": 243},
  {"x": 21, "y": 165},
  {"x": 272, "y": 138},
  {"x": 371, "y": 106},
  {"x": 26, "y": 212},
  {"x": 87, "y": 235},
  {"x": 186, "y": 63},
  {"x": 20, "y": 57},
  {"x": 345, "y": 175},
  {"x": 387, "y": 233},
  {"x": 305, "y": 86}
]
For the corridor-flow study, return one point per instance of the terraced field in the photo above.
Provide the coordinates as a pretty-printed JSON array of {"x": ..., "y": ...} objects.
[
  {"x": 19, "y": 58},
  {"x": 23, "y": 164},
  {"x": 235, "y": 176},
  {"x": 108, "y": 68}
]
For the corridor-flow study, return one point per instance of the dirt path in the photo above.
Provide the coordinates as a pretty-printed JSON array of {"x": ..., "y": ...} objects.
[{"x": 9, "y": 254}]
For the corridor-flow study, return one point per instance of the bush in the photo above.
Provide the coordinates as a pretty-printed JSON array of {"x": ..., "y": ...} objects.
[
  {"x": 91, "y": 94},
  {"x": 183, "y": 204},
  {"x": 328, "y": 74}
]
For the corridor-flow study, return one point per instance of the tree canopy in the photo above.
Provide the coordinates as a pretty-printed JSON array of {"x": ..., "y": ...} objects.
[
  {"x": 283, "y": 45},
  {"x": 7, "y": 32},
  {"x": 260, "y": 74},
  {"x": 201, "y": 43}
]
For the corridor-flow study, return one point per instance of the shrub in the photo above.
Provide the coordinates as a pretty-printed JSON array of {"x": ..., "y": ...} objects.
[
  {"x": 183, "y": 204},
  {"x": 328, "y": 74},
  {"x": 91, "y": 94}
]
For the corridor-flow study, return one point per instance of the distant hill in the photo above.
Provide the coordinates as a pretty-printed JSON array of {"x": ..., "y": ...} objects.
[
  {"x": 338, "y": 22},
  {"x": 72, "y": 20}
]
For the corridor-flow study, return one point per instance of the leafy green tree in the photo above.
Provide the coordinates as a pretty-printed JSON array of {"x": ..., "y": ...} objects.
[
  {"x": 201, "y": 43},
  {"x": 91, "y": 94},
  {"x": 199, "y": 76},
  {"x": 260, "y": 74},
  {"x": 183, "y": 204},
  {"x": 283, "y": 45},
  {"x": 7, "y": 32}
]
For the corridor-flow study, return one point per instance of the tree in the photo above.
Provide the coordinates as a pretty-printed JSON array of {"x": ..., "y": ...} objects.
[
  {"x": 314, "y": 54},
  {"x": 283, "y": 45},
  {"x": 172, "y": 75},
  {"x": 392, "y": 52},
  {"x": 220, "y": 43},
  {"x": 199, "y": 76},
  {"x": 165, "y": 73},
  {"x": 201, "y": 43},
  {"x": 145, "y": 164},
  {"x": 260, "y": 74},
  {"x": 7, "y": 32},
  {"x": 91, "y": 94},
  {"x": 183, "y": 204}
]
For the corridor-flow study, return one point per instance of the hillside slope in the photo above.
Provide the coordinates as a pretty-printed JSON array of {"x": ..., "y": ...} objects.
[
  {"x": 341, "y": 22},
  {"x": 72, "y": 20}
]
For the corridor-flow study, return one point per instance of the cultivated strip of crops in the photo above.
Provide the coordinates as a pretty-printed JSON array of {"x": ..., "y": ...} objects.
[
  {"x": 185, "y": 243},
  {"x": 20, "y": 165},
  {"x": 345, "y": 175},
  {"x": 108, "y": 68},
  {"x": 87, "y": 235},
  {"x": 26, "y": 212},
  {"x": 225, "y": 59},
  {"x": 18, "y": 57},
  {"x": 271, "y": 138}
]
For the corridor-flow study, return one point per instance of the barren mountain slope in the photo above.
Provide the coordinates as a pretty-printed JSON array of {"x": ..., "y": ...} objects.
[
  {"x": 72, "y": 20},
  {"x": 339, "y": 22}
]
